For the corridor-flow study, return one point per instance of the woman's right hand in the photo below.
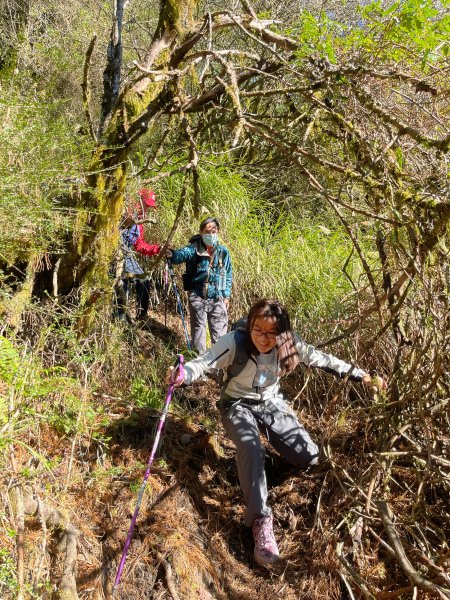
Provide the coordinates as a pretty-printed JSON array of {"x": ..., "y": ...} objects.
[
  {"x": 173, "y": 378},
  {"x": 376, "y": 384}
]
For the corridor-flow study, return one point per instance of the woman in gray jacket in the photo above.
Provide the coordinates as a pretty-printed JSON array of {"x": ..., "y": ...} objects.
[{"x": 252, "y": 403}]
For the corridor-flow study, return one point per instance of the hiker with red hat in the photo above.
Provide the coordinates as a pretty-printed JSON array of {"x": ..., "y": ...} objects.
[{"x": 133, "y": 242}]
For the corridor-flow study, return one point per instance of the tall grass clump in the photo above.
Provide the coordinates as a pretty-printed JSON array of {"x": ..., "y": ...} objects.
[{"x": 275, "y": 252}]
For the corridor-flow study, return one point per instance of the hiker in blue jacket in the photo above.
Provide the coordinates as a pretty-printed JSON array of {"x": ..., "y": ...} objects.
[
  {"x": 133, "y": 244},
  {"x": 253, "y": 359},
  {"x": 207, "y": 280}
]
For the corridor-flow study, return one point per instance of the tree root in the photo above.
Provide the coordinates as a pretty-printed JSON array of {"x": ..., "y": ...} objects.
[
  {"x": 169, "y": 579},
  {"x": 67, "y": 543}
]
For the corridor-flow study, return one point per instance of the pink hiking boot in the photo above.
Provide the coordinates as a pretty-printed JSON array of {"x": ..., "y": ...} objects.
[{"x": 266, "y": 549}]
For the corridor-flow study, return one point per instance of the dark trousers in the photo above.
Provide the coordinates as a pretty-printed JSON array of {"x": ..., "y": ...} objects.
[{"x": 142, "y": 287}]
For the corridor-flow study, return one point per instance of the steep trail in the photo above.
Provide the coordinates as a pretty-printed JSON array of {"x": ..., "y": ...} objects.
[{"x": 190, "y": 537}]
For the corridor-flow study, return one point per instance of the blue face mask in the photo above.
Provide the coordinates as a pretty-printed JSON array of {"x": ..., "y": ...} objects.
[{"x": 210, "y": 239}]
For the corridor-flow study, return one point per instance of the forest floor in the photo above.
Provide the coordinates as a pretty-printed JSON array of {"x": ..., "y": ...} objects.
[{"x": 189, "y": 541}]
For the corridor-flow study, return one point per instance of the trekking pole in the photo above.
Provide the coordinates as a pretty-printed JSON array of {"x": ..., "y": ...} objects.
[
  {"x": 176, "y": 376},
  {"x": 166, "y": 288},
  {"x": 180, "y": 308}
]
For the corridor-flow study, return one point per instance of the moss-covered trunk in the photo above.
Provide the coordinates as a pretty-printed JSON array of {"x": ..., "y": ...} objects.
[{"x": 86, "y": 264}]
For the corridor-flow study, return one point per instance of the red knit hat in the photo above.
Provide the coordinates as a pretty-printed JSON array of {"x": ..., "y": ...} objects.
[{"x": 148, "y": 197}]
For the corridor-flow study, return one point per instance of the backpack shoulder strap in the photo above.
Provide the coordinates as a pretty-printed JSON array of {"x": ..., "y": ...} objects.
[{"x": 242, "y": 353}]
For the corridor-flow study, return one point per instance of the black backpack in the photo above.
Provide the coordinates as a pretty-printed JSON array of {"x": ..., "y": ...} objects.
[
  {"x": 191, "y": 265},
  {"x": 242, "y": 352},
  {"x": 188, "y": 276}
]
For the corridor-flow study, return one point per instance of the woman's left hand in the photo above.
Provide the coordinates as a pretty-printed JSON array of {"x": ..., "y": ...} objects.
[{"x": 376, "y": 383}]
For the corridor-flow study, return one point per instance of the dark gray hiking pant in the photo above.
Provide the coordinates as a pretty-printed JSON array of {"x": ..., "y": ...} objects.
[
  {"x": 244, "y": 422},
  {"x": 208, "y": 311}
]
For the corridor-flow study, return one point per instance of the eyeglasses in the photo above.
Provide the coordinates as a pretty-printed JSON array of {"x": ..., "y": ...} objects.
[{"x": 270, "y": 335}]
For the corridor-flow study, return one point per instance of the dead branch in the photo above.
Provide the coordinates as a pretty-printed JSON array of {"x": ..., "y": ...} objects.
[
  {"x": 183, "y": 169},
  {"x": 414, "y": 577},
  {"x": 402, "y": 128}
]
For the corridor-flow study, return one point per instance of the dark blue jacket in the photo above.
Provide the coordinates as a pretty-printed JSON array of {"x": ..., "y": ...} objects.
[{"x": 196, "y": 256}]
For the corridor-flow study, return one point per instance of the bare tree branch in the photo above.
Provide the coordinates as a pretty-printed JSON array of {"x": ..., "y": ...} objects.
[
  {"x": 414, "y": 577},
  {"x": 86, "y": 88}
]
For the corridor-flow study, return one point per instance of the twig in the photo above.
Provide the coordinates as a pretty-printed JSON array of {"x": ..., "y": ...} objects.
[
  {"x": 55, "y": 277},
  {"x": 395, "y": 593},
  {"x": 77, "y": 427},
  {"x": 44, "y": 541},
  {"x": 169, "y": 577},
  {"x": 356, "y": 578},
  {"x": 347, "y": 585},
  {"x": 20, "y": 520},
  {"x": 181, "y": 202}
]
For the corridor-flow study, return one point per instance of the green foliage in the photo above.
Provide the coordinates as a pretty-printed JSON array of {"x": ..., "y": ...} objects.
[
  {"x": 8, "y": 576},
  {"x": 39, "y": 165},
  {"x": 317, "y": 36},
  {"x": 145, "y": 395},
  {"x": 277, "y": 253},
  {"x": 43, "y": 147},
  {"x": 9, "y": 360},
  {"x": 46, "y": 394},
  {"x": 9, "y": 585},
  {"x": 411, "y": 31},
  {"x": 72, "y": 416},
  {"x": 415, "y": 29}
]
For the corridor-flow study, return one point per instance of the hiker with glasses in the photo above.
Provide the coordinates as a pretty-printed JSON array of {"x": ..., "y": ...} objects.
[
  {"x": 254, "y": 357},
  {"x": 207, "y": 280}
]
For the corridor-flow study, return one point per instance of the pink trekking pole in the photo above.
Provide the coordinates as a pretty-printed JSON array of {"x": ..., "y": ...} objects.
[{"x": 176, "y": 376}]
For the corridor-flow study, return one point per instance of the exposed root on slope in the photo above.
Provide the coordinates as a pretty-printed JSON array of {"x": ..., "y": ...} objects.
[{"x": 63, "y": 550}]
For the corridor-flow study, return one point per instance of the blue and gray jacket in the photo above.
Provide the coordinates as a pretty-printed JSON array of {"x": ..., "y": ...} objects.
[
  {"x": 197, "y": 262},
  {"x": 129, "y": 237}
]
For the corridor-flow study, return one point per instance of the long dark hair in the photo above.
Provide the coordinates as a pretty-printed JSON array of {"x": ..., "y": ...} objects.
[{"x": 287, "y": 352}]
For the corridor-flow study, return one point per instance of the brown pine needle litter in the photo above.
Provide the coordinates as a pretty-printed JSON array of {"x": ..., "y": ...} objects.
[{"x": 189, "y": 541}]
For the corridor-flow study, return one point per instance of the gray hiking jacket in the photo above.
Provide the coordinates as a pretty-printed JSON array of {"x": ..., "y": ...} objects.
[{"x": 221, "y": 355}]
